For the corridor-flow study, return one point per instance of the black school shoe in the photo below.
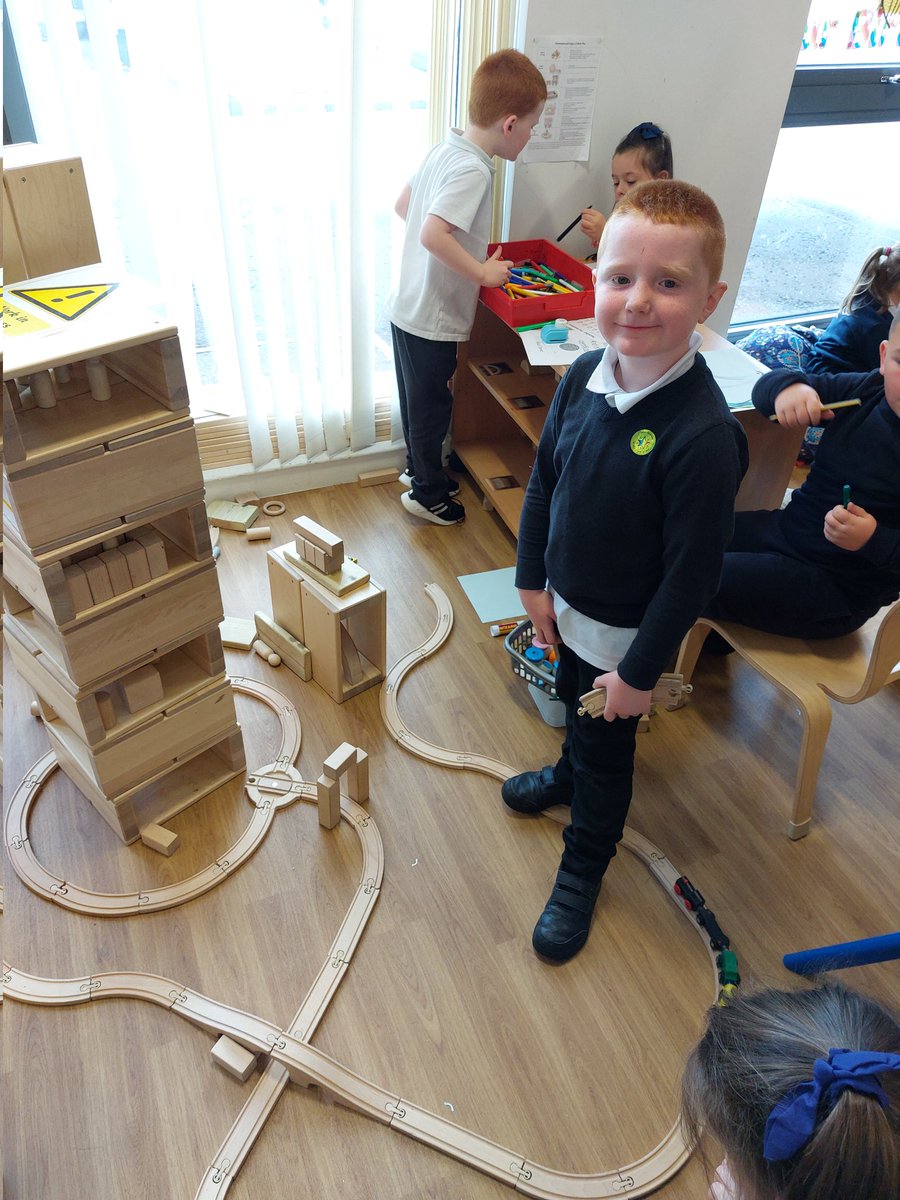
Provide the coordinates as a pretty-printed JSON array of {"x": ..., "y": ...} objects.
[
  {"x": 565, "y": 923},
  {"x": 445, "y": 512},
  {"x": 533, "y": 791}
]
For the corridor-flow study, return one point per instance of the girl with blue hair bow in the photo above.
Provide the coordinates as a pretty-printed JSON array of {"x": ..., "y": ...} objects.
[{"x": 802, "y": 1090}]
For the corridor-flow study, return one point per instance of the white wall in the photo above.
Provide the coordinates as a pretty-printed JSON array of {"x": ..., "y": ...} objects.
[{"x": 714, "y": 74}]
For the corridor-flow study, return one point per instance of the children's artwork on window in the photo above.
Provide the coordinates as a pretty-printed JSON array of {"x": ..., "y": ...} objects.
[{"x": 839, "y": 31}]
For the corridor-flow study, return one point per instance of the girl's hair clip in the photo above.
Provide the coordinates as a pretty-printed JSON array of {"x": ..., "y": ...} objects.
[
  {"x": 888, "y": 251},
  {"x": 648, "y": 130}
]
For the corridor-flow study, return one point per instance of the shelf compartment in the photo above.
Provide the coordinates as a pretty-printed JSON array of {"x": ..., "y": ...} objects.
[
  {"x": 488, "y": 461},
  {"x": 515, "y": 385}
]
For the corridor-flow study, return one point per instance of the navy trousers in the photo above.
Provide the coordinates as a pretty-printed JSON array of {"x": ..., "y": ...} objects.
[
  {"x": 424, "y": 369},
  {"x": 766, "y": 586},
  {"x": 597, "y": 762}
]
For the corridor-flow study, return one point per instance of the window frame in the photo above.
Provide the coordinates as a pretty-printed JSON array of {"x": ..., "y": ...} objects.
[{"x": 843, "y": 95}]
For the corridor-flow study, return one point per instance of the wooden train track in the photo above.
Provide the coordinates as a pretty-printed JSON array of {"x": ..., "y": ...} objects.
[{"x": 289, "y": 1053}]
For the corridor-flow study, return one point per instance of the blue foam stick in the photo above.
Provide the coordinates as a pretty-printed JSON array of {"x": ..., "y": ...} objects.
[{"x": 844, "y": 954}]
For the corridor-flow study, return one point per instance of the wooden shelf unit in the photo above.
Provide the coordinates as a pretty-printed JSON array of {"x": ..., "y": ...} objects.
[
  {"x": 85, "y": 480},
  {"x": 494, "y": 437}
]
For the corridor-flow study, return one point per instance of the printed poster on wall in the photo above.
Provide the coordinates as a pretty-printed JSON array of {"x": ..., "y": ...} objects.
[{"x": 571, "y": 68}]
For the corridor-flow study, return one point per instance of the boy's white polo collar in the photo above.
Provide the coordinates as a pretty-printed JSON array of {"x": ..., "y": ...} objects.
[
  {"x": 455, "y": 137},
  {"x": 604, "y": 382}
]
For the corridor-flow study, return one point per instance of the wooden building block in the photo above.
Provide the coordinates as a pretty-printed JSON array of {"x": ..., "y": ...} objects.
[
  {"x": 234, "y": 1058},
  {"x": 98, "y": 578},
  {"x": 247, "y": 498},
  {"x": 238, "y": 632},
  {"x": 260, "y": 533},
  {"x": 306, "y": 528},
  {"x": 371, "y": 478},
  {"x": 51, "y": 214},
  {"x": 266, "y": 652},
  {"x": 155, "y": 548},
  {"x": 328, "y": 794},
  {"x": 293, "y": 653},
  {"x": 106, "y": 709},
  {"x": 358, "y": 780},
  {"x": 338, "y": 760},
  {"x": 284, "y": 587},
  {"x": 117, "y": 566},
  {"x": 142, "y": 688},
  {"x": 138, "y": 567},
  {"x": 226, "y": 515},
  {"x": 79, "y": 588},
  {"x": 350, "y": 575},
  {"x": 163, "y": 841}
]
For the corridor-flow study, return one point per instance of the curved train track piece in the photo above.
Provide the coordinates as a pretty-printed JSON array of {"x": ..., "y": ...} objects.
[{"x": 290, "y": 1056}]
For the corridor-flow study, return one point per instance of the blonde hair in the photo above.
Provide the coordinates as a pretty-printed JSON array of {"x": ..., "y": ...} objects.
[
  {"x": 673, "y": 202},
  {"x": 759, "y": 1047},
  {"x": 878, "y": 280},
  {"x": 506, "y": 84}
]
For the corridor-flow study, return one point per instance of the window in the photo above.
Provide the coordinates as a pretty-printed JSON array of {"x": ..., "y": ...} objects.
[{"x": 831, "y": 194}]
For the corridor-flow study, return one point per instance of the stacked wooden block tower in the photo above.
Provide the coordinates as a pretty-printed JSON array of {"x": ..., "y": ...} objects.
[
  {"x": 111, "y": 595},
  {"x": 330, "y": 617}
]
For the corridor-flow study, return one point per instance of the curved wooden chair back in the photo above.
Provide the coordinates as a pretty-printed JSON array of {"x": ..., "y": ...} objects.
[{"x": 847, "y": 669}]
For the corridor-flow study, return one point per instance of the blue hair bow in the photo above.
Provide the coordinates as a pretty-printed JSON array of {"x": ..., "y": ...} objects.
[
  {"x": 792, "y": 1121},
  {"x": 648, "y": 130}
]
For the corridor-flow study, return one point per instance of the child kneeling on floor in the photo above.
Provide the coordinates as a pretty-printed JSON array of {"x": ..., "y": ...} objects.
[{"x": 626, "y": 516}]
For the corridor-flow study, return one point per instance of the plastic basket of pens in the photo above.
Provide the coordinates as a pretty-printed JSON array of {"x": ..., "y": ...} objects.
[
  {"x": 529, "y": 662},
  {"x": 552, "y": 284}
]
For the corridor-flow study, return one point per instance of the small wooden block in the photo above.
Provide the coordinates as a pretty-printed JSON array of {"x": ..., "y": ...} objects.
[
  {"x": 155, "y": 548},
  {"x": 318, "y": 558},
  {"x": 328, "y": 794},
  {"x": 237, "y": 632},
  {"x": 358, "y": 780},
  {"x": 311, "y": 531},
  {"x": 163, "y": 841},
  {"x": 351, "y": 575},
  {"x": 106, "y": 709},
  {"x": 293, "y": 653},
  {"x": 226, "y": 515},
  {"x": 142, "y": 688},
  {"x": 370, "y": 478},
  {"x": 98, "y": 579},
  {"x": 117, "y": 566},
  {"x": 338, "y": 760},
  {"x": 79, "y": 588},
  {"x": 247, "y": 498},
  {"x": 233, "y": 1058},
  {"x": 138, "y": 567},
  {"x": 260, "y": 533}
]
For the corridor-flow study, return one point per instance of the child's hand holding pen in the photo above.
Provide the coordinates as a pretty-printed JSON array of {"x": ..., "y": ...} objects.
[
  {"x": 592, "y": 223},
  {"x": 849, "y": 526},
  {"x": 799, "y": 405}
]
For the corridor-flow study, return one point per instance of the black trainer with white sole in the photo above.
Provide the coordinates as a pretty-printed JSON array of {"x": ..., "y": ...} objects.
[
  {"x": 445, "y": 512},
  {"x": 452, "y": 486}
]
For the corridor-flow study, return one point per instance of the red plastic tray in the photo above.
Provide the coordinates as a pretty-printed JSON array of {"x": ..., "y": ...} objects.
[{"x": 528, "y": 310}]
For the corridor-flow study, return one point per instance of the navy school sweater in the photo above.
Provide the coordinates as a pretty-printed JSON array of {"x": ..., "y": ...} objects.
[
  {"x": 627, "y": 515},
  {"x": 859, "y": 447}
]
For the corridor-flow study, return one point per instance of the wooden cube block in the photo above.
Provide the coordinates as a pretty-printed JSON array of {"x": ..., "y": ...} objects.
[
  {"x": 234, "y": 1058},
  {"x": 138, "y": 567},
  {"x": 155, "y": 548},
  {"x": 98, "y": 578},
  {"x": 142, "y": 688},
  {"x": 117, "y": 566},
  {"x": 79, "y": 588},
  {"x": 163, "y": 841}
]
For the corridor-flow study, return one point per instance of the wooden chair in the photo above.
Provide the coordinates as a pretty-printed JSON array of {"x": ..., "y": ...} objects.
[{"x": 847, "y": 669}]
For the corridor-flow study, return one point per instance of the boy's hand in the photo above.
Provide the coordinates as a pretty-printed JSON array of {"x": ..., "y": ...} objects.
[
  {"x": 850, "y": 527},
  {"x": 496, "y": 269},
  {"x": 799, "y": 405},
  {"x": 539, "y": 607},
  {"x": 622, "y": 700},
  {"x": 592, "y": 223}
]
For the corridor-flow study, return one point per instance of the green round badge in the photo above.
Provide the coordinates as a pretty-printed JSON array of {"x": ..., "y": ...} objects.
[{"x": 643, "y": 441}]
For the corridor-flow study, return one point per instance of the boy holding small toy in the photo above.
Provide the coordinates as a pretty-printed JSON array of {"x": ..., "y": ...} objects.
[{"x": 627, "y": 514}]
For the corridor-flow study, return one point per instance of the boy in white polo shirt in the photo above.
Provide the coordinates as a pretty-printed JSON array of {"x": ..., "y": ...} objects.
[{"x": 447, "y": 210}]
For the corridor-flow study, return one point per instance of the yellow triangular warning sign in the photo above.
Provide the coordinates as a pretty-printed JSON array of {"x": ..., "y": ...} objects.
[{"x": 68, "y": 301}]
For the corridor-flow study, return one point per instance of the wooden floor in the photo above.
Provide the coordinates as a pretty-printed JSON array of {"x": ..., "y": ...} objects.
[{"x": 576, "y": 1066}]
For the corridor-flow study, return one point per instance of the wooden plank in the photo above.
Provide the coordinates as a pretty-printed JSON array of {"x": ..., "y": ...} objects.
[
  {"x": 52, "y": 216},
  {"x": 293, "y": 653},
  {"x": 156, "y": 367},
  {"x": 225, "y": 514}
]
